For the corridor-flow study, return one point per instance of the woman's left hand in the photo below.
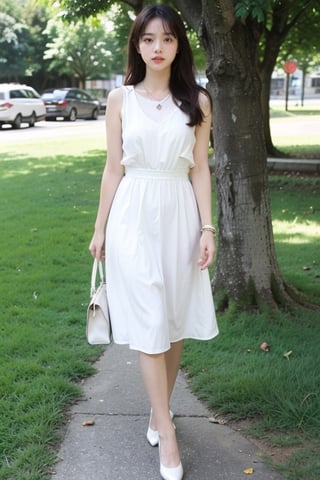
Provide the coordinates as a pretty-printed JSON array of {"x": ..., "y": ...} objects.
[{"x": 207, "y": 250}]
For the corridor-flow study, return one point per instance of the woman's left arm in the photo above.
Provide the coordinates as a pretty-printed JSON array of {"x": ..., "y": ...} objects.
[{"x": 201, "y": 183}]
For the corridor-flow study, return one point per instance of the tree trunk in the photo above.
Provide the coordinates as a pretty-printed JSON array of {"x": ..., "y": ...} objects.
[
  {"x": 303, "y": 84},
  {"x": 265, "y": 74},
  {"x": 247, "y": 272},
  {"x": 274, "y": 39}
]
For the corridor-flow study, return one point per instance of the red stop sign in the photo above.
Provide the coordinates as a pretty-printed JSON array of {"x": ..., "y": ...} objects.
[{"x": 290, "y": 66}]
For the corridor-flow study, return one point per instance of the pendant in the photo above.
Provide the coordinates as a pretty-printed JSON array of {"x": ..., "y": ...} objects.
[{"x": 159, "y": 106}]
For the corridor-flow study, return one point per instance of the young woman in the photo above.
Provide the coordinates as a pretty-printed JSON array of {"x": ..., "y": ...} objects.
[{"x": 155, "y": 203}]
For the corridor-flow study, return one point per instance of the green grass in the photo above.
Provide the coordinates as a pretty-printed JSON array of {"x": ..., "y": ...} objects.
[
  {"x": 296, "y": 223},
  {"x": 48, "y": 205},
  {"x": 47, "y": 212},
  {"x": 296, "y": 132},
  {"x": 293, "y": 110},
  {"x": 301, "y": 151}
]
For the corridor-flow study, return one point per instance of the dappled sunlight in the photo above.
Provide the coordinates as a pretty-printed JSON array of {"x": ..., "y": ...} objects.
[
  {"x": 296, "y": 232},
  {"x": 22, "y": 165}
]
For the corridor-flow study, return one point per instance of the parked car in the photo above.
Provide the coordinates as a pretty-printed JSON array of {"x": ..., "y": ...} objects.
[
  {"x": 70, "y": 103},
  {"x": 101, "y": 94},
  {"x": 20, "y": 103}
]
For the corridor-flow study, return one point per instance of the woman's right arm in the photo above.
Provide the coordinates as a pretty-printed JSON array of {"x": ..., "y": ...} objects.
[{"x": 113, "y": 171}]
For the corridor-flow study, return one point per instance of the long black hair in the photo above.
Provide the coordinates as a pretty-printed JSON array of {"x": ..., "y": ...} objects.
[{"x": 182, "y": 84}]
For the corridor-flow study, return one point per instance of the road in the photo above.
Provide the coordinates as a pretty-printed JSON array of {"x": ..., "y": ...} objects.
[{"x": 48, "y": 130}]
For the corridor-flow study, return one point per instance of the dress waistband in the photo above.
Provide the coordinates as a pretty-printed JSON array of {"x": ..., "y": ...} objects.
[{"x": 156, "y": 173}]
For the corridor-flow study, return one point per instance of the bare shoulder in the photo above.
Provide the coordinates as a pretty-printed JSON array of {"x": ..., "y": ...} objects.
[
  {"x": 115, "y": 97},
  {"x": 205, "y": 103},
  {"x": 114, "y": 104}
]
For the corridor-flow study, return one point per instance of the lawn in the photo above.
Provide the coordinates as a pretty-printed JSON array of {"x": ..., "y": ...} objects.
[
  {"x": 48, "y": 205},
  {"x": 296, "y": 132}
]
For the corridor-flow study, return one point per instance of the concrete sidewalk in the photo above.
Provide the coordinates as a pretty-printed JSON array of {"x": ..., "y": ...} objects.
[{"x": 115, "y": 447}]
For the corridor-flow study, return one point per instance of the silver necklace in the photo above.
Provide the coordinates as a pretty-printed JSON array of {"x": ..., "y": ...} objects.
[{"x": 159, "y": 102}]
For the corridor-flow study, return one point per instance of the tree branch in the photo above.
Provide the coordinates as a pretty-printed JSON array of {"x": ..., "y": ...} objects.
[{"x": 191, "y": 12}]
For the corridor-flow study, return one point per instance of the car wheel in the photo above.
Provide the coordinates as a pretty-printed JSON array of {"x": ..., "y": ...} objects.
[
  {"x": 72, "y": 115},
  {"x": 32, "y": 120},
  {"x": 17, "y": 122},
  {"x": 94, "y": 115}
]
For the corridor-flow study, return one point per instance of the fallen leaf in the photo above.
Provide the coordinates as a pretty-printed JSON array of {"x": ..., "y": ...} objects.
[
  {"x": 219, "y": 421},
  {"x": 213, "y": 420},
  {"x": 265, "y": 346},
  {"x": 88, "y": 423},
  {"x": 287, "y": 354},
  {"x": 248, "y": 471}
]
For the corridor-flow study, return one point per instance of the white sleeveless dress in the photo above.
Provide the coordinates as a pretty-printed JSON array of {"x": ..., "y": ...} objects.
[{"x": 157, "y": 294}]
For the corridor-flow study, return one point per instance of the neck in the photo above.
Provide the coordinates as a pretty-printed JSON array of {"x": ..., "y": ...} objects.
[{"x": 156, "y": 82}]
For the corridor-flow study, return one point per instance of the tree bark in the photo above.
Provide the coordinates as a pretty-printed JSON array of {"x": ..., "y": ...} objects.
[{"x": 247, "y": 272}]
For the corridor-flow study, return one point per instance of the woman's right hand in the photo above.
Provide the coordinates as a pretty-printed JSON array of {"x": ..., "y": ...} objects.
[{"x": 96, "y": 246}]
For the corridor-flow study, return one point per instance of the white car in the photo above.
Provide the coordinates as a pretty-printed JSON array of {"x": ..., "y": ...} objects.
[{"x": 20, "y": 103}]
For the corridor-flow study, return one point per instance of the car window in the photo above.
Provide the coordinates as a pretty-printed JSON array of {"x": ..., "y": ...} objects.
[
  {"x": 86, "y": 96},
  {"x": 58, "y": 94},
  {"x": 18, "y": 94},
  {"x": 31, "y": 94},
  {"x": 72, "y": 94},
  {"x": 1, "y": 95}
]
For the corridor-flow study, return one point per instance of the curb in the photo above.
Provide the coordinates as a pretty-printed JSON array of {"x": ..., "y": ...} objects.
[{"x": 286, "y": 165}]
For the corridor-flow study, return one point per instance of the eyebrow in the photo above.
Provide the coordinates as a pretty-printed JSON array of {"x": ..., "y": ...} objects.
[{"x": 153, "y": 34}]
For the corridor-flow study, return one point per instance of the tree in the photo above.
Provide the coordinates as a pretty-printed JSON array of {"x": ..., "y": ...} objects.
[
  {"x": 12, "y": 47},
  {"x": 74, "y": 9},
  {"x": 232, "y": 33},
  {"x": 22, "y": 41},
  {"x": 36, "y": 17},
  {"x": 247, "y": 270},
  {"x": 78, "y": 49},
  {"x": 89, "y": 48},
  {"x": 285, "y": 18}
]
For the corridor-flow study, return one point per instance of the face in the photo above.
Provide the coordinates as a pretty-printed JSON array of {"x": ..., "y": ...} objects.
[{"x": 157, "y": 46}]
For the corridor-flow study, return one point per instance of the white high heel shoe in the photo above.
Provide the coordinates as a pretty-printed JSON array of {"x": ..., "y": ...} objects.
[
  {"x": 153, "y": 435},
  {"x": 171, "y": 473}
]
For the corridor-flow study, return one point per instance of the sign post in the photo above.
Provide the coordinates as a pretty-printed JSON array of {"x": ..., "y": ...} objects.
[{"x": 290, "y": 67}]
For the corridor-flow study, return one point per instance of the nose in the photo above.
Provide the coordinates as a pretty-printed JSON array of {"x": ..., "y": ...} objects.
[{"x": 157, "y": 46}]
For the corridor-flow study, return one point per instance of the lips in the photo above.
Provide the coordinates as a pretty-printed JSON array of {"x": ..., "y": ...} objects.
[{"x": 158, "y": 59}]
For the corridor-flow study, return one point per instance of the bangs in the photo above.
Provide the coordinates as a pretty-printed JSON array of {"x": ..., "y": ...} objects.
[{"x": 167, "y": 30}]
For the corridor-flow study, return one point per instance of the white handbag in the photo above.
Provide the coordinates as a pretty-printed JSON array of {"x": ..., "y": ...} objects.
[{"x": 98, "y": 329}]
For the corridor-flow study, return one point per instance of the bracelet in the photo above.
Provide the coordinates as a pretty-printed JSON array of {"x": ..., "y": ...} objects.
[{"x": 208, "y": 228}]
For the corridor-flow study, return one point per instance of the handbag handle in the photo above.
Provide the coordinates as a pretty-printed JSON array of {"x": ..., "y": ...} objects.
[{"x": 97, "y": 264}]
